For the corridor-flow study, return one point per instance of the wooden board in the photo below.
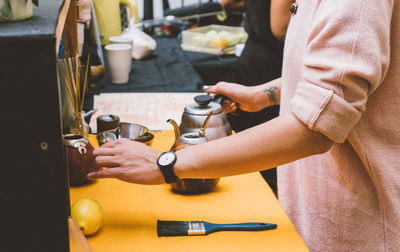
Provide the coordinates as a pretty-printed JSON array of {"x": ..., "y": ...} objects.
[{"x": 148, "y": 109}]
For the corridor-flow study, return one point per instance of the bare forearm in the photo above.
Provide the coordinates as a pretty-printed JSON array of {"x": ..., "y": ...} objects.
[
  {"x": 233, "y": 5},
  {"x": 280, "y": 17},
  {"x": 279, "y": 141},
  {"x": 250, "y": 99},
  {"x": 260, "y": 96}
]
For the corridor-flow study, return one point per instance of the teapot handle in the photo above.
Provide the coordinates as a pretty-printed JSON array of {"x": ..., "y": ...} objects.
[
  {"x": 219, "y": 98},
  {"x": 176, "y": 131}
]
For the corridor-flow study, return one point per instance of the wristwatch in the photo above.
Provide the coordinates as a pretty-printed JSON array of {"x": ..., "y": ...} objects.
[{"x": 166, "y": 162}]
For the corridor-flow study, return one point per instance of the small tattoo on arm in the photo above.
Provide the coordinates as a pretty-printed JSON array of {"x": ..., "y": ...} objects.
[{"x": 271, "y": 94}]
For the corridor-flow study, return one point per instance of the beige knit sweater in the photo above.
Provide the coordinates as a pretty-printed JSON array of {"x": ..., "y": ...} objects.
[{"x": 341, "y": 77}]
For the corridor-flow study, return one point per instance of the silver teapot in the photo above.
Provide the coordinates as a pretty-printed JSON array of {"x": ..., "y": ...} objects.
[{"x": 196, "y": 113}]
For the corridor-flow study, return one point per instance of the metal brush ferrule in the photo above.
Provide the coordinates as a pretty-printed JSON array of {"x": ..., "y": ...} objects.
[{"x": 196, "y": 228}]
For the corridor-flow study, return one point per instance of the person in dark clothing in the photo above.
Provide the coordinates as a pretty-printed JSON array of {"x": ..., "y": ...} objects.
[{"x": 260, "y": 62}]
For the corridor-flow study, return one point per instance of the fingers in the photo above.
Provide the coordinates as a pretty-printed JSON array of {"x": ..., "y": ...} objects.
[
  {"x": 232, "y": 107},
  {"x": 215, "y": 89},
  {"x": 103, "y": 152},
  {"x": 111, "y": 144},
  {"x": 108, "y": 149},
  {"x": 207, "y": 89},
  {"x": 227, "y": 103},
  {"x": 229, "y": 106},
  {"x": 105, "y": 157},
  {"x": 228, "y": 89},
  {"x": 106, "y": 161},
  {"x": 106, "y": 173}
]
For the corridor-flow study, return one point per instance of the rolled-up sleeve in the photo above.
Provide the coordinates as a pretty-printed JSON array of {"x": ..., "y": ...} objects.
[{"x": 347, "y": 56}]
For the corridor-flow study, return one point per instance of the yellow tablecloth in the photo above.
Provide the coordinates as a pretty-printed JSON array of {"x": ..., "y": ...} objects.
[{"x": 131, "y": 212}]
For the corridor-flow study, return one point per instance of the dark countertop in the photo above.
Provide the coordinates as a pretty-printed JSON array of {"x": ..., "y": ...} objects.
[{"x": 169, "y": 69}]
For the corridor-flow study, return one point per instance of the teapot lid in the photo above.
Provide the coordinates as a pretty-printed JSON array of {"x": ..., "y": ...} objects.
[{"x": 203, "y": 106}]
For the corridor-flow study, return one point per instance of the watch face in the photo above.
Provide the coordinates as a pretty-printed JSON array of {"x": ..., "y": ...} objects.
[{"x": 166, "y": 158}]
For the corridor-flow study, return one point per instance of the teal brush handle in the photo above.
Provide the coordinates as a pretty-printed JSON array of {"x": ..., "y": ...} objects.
[{"x": 249, "y": 226}]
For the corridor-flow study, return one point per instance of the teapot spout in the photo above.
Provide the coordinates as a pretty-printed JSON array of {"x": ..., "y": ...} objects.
[
  {"x": 176, "y": 131},
  {"x": 202, "y": 131}
]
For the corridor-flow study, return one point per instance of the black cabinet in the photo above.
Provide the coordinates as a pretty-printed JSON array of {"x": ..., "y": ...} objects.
[{"x": 34, "y": 187}]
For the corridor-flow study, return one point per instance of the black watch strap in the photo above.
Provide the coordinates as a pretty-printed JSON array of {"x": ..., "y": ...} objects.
[{"x": 168, "y": 171}]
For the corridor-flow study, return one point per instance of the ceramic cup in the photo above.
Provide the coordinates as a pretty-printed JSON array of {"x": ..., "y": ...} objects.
[
  {"x": 119, "y": 62},
  {"x": 107, "y": 122},
  {"x": 122, "y": 40}
]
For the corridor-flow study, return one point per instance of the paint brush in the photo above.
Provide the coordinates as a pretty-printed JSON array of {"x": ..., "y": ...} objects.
[{"x": 184, "y": 228}]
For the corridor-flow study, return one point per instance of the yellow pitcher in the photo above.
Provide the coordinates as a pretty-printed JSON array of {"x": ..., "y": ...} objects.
[{"x": 109, "y": 17}]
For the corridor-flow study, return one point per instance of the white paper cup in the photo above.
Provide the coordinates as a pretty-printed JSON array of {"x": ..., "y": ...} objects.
[
  {"x": 81, "y": 38},
  {"x": 119, "y": 62},
  {"x": 121, "y": 40}
]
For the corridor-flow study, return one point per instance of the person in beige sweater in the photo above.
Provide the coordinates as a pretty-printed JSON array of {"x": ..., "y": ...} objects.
[{"x": 337, "y": 139}]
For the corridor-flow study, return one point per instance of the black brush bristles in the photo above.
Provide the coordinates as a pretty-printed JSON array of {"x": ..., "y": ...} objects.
[
  {"x": 172, "y": 228},
  {"x": 184, "y": 228}
]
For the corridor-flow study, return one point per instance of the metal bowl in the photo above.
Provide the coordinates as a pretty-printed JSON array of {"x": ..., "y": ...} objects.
[
  {"x": 131, "y": 130},
  {"x": 147, "y": 138},
  {"x": 127, "y": 130}
]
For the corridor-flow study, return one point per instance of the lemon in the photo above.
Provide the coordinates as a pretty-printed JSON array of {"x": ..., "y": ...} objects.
[
  {"x": 219, "y": 43},
  {"x": 88, "y": 214}
]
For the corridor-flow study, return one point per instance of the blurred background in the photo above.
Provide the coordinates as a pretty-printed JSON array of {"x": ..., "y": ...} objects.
[{"x": 158, "y": 5}]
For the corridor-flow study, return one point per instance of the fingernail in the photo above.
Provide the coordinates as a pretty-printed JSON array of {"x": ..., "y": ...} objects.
[
  {"x": 90, "y": 175},
  {"x": 205, "y": 87}
]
